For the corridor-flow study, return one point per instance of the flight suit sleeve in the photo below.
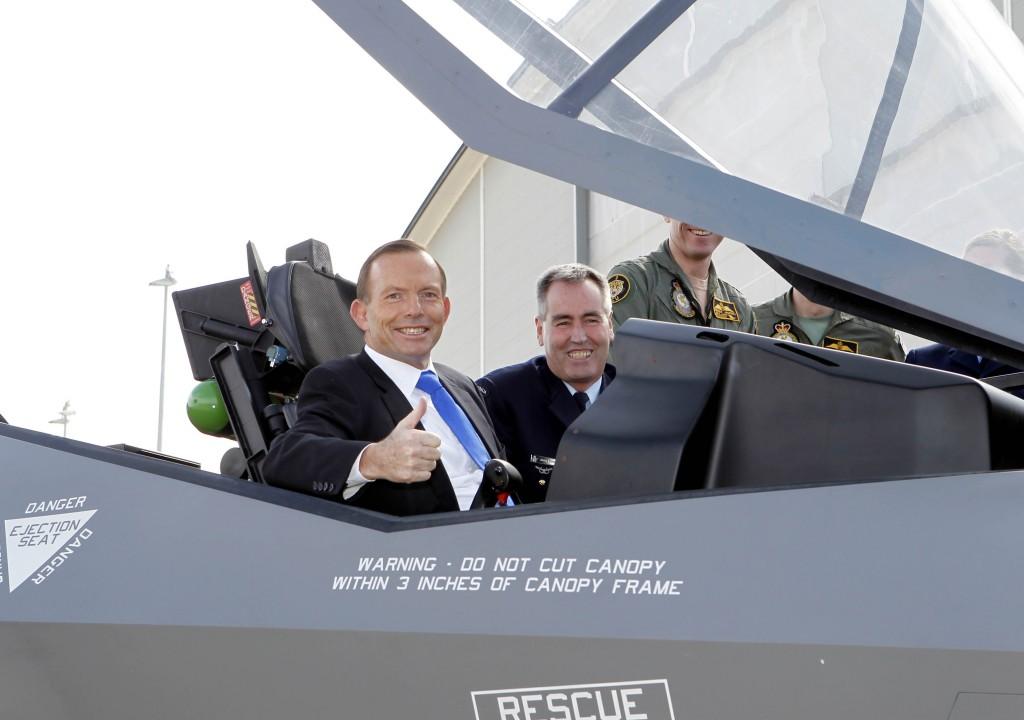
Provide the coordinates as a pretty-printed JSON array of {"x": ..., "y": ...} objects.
[
  {"x": 629, "y": 293},
  {"x": 896, "y": 351}
]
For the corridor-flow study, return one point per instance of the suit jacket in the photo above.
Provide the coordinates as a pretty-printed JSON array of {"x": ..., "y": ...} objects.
[
  {"x": 531, "y": 408},
  {"x": 943, "y": 357},
  {"x": 344, "y": 405}
]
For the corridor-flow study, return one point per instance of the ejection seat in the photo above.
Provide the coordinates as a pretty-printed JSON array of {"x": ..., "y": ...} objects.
[
  {"x": 298, "y": 318},
  {"x": 306, "y": 305}
]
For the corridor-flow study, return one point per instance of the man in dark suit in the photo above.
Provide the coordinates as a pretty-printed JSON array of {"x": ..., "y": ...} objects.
[
  {"x": 943, "y": 357},
  {"x": 387, "y": 429},
  {"x": 533, "y": 402}
]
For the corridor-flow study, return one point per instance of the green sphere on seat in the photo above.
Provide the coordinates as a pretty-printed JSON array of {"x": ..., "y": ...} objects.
[{"x": 206, "y": 410}]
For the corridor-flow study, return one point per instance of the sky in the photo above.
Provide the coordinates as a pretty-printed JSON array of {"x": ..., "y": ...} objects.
[{"x": 138, "y": 135}]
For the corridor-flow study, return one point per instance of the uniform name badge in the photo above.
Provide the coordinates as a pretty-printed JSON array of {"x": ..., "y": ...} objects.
[
  {"x": 833, "y": 343},
  {"x": 680, "y": 302},
  {"x": 782, "y": 332},
  {"x": 725, "y": 310},
  {"x": 543, "y": 466}
]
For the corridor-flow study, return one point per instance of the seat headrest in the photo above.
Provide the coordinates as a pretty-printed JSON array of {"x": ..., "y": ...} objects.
[{"x": 309, "y": 314}]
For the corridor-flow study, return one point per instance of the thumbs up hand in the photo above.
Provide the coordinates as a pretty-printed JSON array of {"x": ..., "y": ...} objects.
[{"x": 407, "y": 455}]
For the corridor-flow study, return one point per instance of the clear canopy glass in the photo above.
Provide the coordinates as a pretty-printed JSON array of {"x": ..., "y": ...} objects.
[{"x": 906, "y": 114}]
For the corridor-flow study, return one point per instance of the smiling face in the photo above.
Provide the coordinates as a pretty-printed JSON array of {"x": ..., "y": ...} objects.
[
  {"x": 405, "y": 308},
  {"x": 575, "y": 332},
  {"x": 691, "y": 242}
]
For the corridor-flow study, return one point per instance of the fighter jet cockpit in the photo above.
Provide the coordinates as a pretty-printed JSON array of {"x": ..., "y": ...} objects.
[
  {"x": 855, "y": 149},
  {"x": 739, "y": 526}
]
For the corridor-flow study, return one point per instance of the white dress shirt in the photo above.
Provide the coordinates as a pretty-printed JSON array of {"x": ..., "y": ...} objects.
[
  {"x": 461, "y": 469},
  {"x": 592, "y": 392}
]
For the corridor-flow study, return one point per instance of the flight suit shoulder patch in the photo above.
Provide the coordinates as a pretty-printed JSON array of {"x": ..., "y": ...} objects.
[{"x": 619, "y": 286}]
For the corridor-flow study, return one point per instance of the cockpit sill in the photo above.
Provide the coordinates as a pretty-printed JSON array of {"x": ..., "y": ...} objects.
[{"x": 388, "y": 523}]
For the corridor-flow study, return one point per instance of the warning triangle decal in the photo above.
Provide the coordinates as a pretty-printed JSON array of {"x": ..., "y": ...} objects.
[{"x": 33, "y": 540}]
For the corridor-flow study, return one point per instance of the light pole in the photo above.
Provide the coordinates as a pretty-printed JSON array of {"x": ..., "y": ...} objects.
[
  {"x": 65, "y": 417},
  {"x": 165, "y": 282}
]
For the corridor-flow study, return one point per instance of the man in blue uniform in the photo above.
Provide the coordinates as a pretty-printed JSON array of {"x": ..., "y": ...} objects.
[
  {"x": 999, "y": 250},
  {"x": 532, "y": 403},
  {"x": 943, "y": 357}
]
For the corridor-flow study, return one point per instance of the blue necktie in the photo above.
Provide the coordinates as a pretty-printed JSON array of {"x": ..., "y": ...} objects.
[{"x": 453, "y": 417}]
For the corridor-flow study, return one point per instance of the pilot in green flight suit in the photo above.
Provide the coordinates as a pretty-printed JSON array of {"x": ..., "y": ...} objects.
[
  {"x": 677, "y": 283},
  {"x": 793, "y": 317}
]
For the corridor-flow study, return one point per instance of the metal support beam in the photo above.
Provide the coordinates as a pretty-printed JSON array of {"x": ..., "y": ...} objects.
[
  {"x": 848, "y": 255},
  {"x": 581, "y": 208},
  {"x": 618, "y": 56},
  {"x": 539, "y": 46},
  {"x": 561, "y": 63},
  {"x": 889, "y": 105}
]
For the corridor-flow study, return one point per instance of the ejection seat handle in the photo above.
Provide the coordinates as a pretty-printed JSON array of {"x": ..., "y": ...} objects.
[{"x": 502, "y": 481}]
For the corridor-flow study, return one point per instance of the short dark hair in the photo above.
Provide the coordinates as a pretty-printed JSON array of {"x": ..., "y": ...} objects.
[
  {"x": 1007, "y": 247},
  {"x": 392, "y": 248},
  {"x": 571, "y": 273}
]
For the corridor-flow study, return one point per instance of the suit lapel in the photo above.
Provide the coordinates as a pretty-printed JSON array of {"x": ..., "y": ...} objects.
[
  {"x": 395, "y": 402},
  {"x": 607, "y": 377},
  {"x": 560, "y": 402},
  {"x": 480, "y": 422}
]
